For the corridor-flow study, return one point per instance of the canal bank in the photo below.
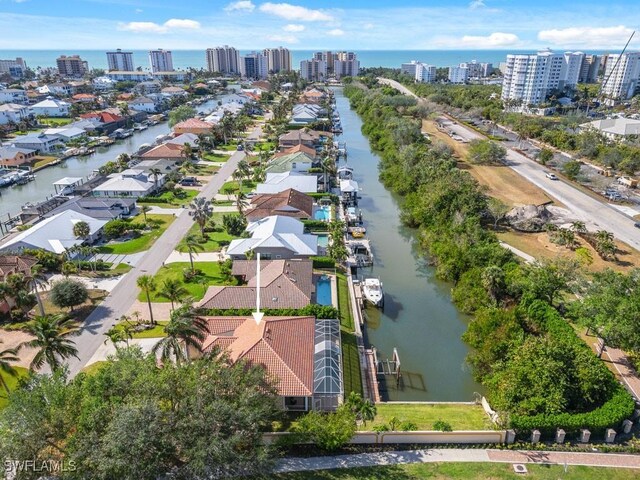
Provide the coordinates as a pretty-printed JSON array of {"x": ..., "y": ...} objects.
[{"x": 418, "y": 317}]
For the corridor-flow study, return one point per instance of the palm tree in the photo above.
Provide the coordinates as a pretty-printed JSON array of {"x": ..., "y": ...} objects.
[
  {"x": 155, "y": 172},
  {"x": 187, "y": 151},
  {"x": 144, "y": 209},
  {"x": 183, "y": 330},
  {"x": 38, "y": 280},
  {"x": 173, "y": 290},
  {"x": 51, "y": 334},
  {"x": 367, "y": 411},
  {"x": 201, "y": 210},
  {"x": 81, "y": 230},
  {"x": 120, "y": 333},
  {"x": 238, "y": 177},
  {"x": 493, "y": 281},
  {"x": 241, "y": 202},
  {"x": 147, "y": 284},
  {"x": 123, "y": 161},
  {"x": 579, "y": 227},
  {"x": 7, "y": 357},
  {"x": 190, "y": 243},
  {"x": 603, "y": 235}
]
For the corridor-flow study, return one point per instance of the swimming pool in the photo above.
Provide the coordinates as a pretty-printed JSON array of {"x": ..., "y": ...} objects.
[
  {"x": 323, "y": 213},
  {"x": 323, "y": 290},
  {"x": 323, "y": 240}
]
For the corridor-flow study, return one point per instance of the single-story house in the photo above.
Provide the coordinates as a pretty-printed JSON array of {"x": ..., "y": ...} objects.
[
  {"x": 129, "y": 183},
  {"x": 40, "y": 142},
  {"x": 288, "y": 203},
  {"x": 14, "y": 157},
  {"x": 614, "y": 128},
  {"x": 275, "y": 237},
  {"x": 279, "y": 182},
  {"x": 283, "y": 284},
  {"x": 294, "y": 162},
  {"x": 11, "y": 265},
  {"x": 185, "y": 138},
  {"x": 304, "y": 136},
  {"x": 303, "y": 355},
  {"x": 311, "y": 152},
  {"x": 84, "y": 98},
  {"x": 192, "y": 125},
  {"x": 99, "y": 208},
  {"x": 165, "y": 150},
  {"x": 51, "y": 107},
  {"x": 55, "y": 234},
  {"x": 66, "y": 133},
  {"x": 13, "y": 95},
  {"x": 12, "y": 112},
  {"x": 173, "y": 92}
]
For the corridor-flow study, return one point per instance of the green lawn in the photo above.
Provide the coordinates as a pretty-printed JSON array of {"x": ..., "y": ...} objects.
[
  {"x": 94, "y": 367},
  {"x": 205, "y": 169},
  {"x": 171, "y": 200},
  {"x": 44, "y": 161},
  {"x": 265, "y": 146},
  {"x": 211, "y": 271},
  {"x": 232, "y": 147},
  {"x": 463, "y": 471},
  {"x": 230, "y": 188},
  {"x": 215, "y": 157},
  {"x": 460, "y": 417},
  {"x": 144, "y": 241},
  {"x": 350, "y": 357},
  {"x": 55, "y": 121},
  {"x": 214, "y": 241},
  {"x": 11, "y": 383},
  {"x": 156, "y": 332}
]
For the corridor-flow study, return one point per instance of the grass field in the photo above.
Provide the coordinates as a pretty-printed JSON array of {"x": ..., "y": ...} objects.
[
  {"x": 539, "y": 246},
  {"x": 229, "y": 188},
  {"x": 464, "y": 471},
  {"x": 214, "y": 241},
  {"x": 144, "y": 241},
  {"x": 459, "y": 416},
  {"x": 215, "y": 157},
  {"x": 55, "y": 121},
  {"x": 172, "y": 200},
  {"x": 11, "y": 382},
  {"x": 350, "y": 356},
  {"x": 43, "y": 160},
  {"x": 211, "y": 271},
  {"x": 80, "y": 312}
]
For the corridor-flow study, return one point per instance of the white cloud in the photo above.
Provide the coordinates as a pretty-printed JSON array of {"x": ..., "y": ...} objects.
[
  {"x": 295, "y": 12},
  {"x": 496, "y": 39},
  {"x": 292, "y": 27},
  {"x": 244, "y": 6},
  {"x": 139, "y": 10},
  {"x": 151, "y": 27},
  {"x": 602, "y": 37},
  {"x": 474, "y": 4},
  {"x": 368, "y": 26},
  {"x": 336, "y": 32},
  {"x": 283, "y": 38}
]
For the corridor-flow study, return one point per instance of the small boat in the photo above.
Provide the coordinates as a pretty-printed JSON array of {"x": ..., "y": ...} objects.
[
  {"x": 372, "y": 291},
  {"x": 357, "y": 232}
]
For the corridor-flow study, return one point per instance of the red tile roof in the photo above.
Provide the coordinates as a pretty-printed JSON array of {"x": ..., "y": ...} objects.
[
  {"x": 192, "y": 123},
  {"x": 295, "y": 149},
  {"x": 15, "y": 264},
  {"x": 288, "y": 203},
  {"x": 283, "y": 345},
  {"x": 166, "y": 150}
]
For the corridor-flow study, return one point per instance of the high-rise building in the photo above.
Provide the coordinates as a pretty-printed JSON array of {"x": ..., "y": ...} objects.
[
  {"x": 486, "y": 69},
  {"x": 313, "y": 70},
  {"x": 621, "y": 75},
  {"x": 254, "y": 66},
  {"x": 530, "y": 78},
  {"x": 161, "y": 61},
  {"x": 345, "y": 64},
  {"x": 278, "y": 59},
  {"x": 15, "y": 68},
  {"x": 421, "y": 72},
  {"x": 458, "y": 74},
  {"x": 326, "y": 57},
  {"x": 224, "y": 60},
  {"x": 589, "y": 69},
  {"x": 120, "y": 61},
  {"x": 71, "y": 66}
]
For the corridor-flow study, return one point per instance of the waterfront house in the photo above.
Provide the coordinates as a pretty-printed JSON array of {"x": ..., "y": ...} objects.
[
  {"x": 13, "y": 113},
  {"x": 99, "y": 208},
  {"x": 302, "y": 354},
  {"x": 143, "y": 104},
  {"x": 298, "y": 162},
  {"x": 305, "y": 136},
  {"x": 11, "y": 265},
  {"x": 288, "y": 203},
  {"x": 13, "y": 95},
  {"x": 185, "y": 138},
  {"x": 40, "y": 142},
  {"x": 283, "y": 284},
  {"x": 170, "y": 92},
  {"x": 171, "y": 151},
  {"x": 130, "y": 183},
  {"x": 279, "y": 182},
  {"x": 192, "y": 125},
  {"x": 275, "y": 237},
  {"x": 58, "y": 89},
  {"x": 50, "y": 107},
  {"x": 152, "y": 86},
  {"x": 305, "y": 113},
  {"x": 310, "y": 152},
  {"x": 84, "y": 98},
  {"x": 55, "y": 234},
  {"x": 66, "y": 133},
  {"x": 15, "y": 157}
]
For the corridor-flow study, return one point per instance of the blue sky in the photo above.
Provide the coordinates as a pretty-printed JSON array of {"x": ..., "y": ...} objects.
[{"x": 330, "y": 24}]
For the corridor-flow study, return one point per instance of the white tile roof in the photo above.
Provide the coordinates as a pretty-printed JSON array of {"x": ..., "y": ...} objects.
[{"x": 278, "y": 182}]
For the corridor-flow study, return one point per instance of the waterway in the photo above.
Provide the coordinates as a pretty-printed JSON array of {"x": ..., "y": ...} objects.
[
  {"x": 42, "y": 187},
  {"x": 418, "y": 317}
]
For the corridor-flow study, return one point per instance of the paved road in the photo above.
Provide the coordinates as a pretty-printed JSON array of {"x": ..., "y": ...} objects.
[
  {"x": 596, "y": 214},
  {"x": 91, "y": 336},
  {"x": 457, "y": 455}
]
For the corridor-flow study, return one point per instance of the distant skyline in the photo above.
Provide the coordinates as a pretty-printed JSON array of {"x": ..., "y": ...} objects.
[{"x": 331, "y": 24}]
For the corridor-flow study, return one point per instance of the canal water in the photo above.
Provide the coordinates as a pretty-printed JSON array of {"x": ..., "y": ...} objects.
[
  {"x": 418, "y": 317},
  {"x": 14, "y": 197}
]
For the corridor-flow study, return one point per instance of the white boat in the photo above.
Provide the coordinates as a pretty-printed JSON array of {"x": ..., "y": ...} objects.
[{"x": 372, "y": 291}]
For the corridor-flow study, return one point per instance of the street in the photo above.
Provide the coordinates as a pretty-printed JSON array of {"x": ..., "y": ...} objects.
[
  {"x": 122, "y": 297},
  {"x": 596, "y": 214}
]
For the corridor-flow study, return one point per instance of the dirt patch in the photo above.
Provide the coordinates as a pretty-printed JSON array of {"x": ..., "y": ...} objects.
[
  {"x": 13, "y": 339},
  {"x": 539, "y": 246},
  {"x": 501, "y": 182}
]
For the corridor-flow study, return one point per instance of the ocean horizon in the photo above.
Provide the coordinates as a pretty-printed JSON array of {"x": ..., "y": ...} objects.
[{"x": 183, "y": 59}]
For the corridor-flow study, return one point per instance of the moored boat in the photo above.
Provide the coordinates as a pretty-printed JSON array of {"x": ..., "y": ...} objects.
[{"x": 372, "y": 291}]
